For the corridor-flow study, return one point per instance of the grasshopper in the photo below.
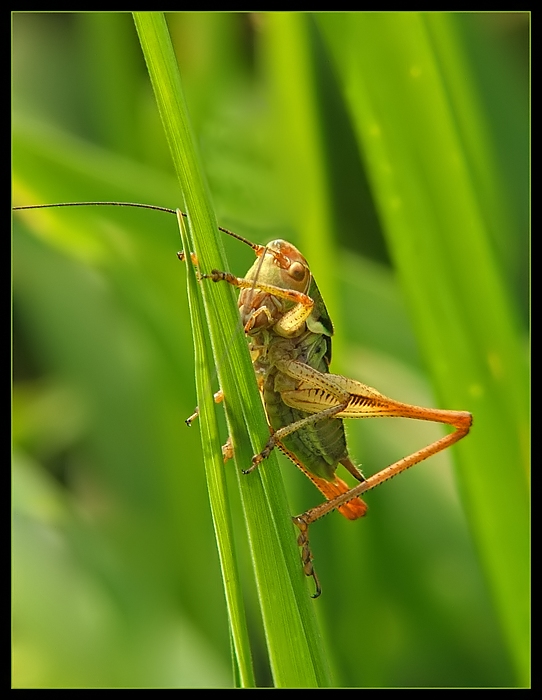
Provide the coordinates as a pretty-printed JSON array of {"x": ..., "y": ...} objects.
[{"x": 285, "y": 317}]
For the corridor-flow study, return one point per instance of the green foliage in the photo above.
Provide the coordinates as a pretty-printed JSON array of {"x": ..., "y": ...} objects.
[
  {"x": 327, "y": 130},
  {"x": 295, "y": 655}
]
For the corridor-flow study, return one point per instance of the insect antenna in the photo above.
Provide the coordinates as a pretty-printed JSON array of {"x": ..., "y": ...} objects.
[
  {"x": 97, "y": 204},
  {"x": 257, "y": 248}
]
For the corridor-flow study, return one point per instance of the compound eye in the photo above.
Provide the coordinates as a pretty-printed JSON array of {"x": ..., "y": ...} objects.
[{"x": 297, "y": 271}]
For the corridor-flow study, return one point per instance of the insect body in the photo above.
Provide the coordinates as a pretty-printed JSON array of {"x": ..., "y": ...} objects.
[
  {"x": 290, "y": 333},
  {"x": 284, "y": 315},
  {"x": 297, "y": 330}
]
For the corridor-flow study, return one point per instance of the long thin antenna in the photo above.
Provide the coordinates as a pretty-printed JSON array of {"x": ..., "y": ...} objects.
[
  {"x": 254, "y": 246},
  {"x": 98, "y": 204}
]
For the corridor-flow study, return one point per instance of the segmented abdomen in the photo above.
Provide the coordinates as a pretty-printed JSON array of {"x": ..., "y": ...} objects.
[{"x": 319, "y": 447}]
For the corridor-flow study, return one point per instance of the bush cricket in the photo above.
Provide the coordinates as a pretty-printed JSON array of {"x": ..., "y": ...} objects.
[{"x": 290, "y": 332}]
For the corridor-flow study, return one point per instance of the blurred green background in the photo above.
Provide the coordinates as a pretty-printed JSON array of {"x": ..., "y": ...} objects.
[{"x": 115, "y": 573}]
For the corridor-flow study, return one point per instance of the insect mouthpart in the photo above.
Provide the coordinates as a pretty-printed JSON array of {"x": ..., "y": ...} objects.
[{"x": 258, "y": 311}]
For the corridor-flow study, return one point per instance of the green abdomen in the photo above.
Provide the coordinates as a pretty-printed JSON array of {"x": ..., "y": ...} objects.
[{"x": 319, "y": 447}]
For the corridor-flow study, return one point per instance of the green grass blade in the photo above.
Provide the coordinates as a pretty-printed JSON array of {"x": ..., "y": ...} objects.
[
  {"x": 218, "y": 492},
  {"x": 295, "y": 653},
  {"x": 423, "y": 159}
]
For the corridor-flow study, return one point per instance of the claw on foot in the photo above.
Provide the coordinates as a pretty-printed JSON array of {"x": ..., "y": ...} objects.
[
  {"x": 264, "y": 454},
  {"x": 255, "y": 461},
  {"x": 191, "y": 418},
  {"x": 182, "y": 257},
  {"x": 306, "y": 554}
]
